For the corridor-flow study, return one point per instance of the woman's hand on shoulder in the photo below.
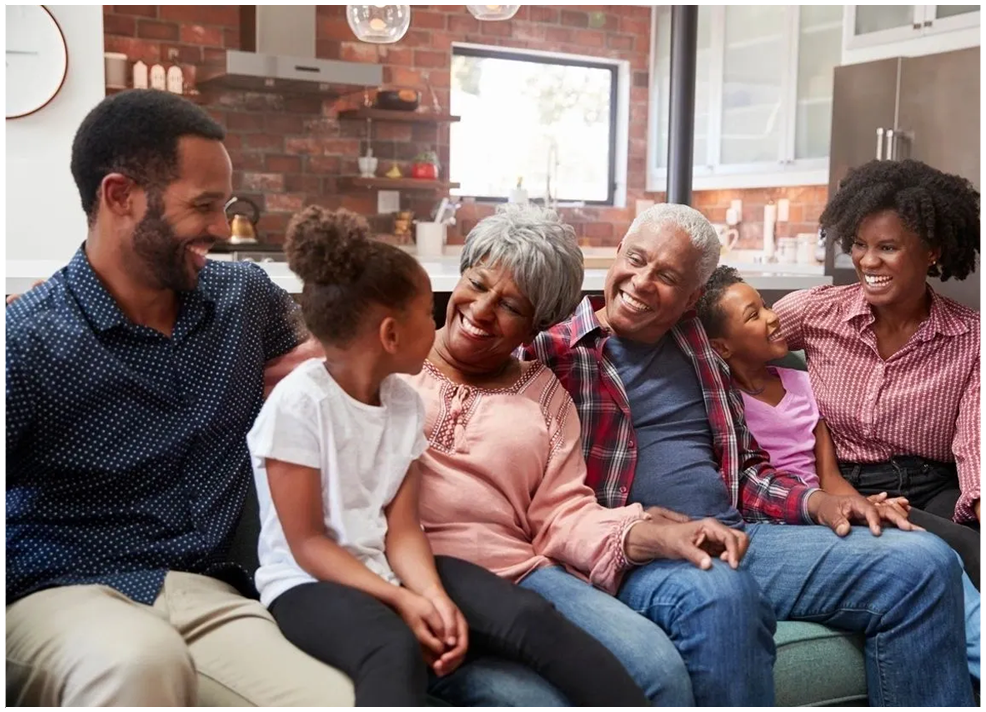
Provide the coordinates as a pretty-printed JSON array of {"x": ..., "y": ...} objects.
[{"x": 11, "y": 298}]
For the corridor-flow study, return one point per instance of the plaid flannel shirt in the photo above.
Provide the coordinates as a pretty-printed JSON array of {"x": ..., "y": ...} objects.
[{"x": 574, "y": 351}]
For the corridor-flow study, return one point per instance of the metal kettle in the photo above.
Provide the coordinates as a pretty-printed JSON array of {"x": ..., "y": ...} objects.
[{"x": 242, "y": 224}]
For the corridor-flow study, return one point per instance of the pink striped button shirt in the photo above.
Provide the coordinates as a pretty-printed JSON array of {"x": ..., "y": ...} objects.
[{"x": 923, "y": 400}]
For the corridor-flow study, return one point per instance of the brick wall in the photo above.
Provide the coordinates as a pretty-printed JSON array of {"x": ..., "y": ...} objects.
[
  {"x": 806, "y": 204},
  {"x": 288, "y": 151}
]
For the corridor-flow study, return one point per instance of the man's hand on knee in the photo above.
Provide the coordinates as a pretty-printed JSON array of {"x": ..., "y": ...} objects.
[
  {"x": 839, "y": 512},
  {"x": 696, "y": 541}
]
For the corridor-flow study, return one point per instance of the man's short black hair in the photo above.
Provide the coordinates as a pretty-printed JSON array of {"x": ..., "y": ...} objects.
[
  {"x": 709, "y": 306},
  {"x": 135, "y": 133},
  {"x": 943, "y": 210}
]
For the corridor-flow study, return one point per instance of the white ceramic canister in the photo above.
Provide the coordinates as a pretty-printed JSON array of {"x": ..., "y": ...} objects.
[
  {"x": 787, "y": 250},
  {"x": 116, "y": 66}
]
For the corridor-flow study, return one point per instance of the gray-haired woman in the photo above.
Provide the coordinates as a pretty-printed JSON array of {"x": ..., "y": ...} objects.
[{"x": 503, "y": 481}]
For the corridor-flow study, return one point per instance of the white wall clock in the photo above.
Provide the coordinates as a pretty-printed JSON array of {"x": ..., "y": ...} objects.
[{"x": 37, "y": 59}]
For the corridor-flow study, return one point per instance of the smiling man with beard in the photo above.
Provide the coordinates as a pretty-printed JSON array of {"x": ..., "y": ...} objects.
[{"x": 133, "y": 376}]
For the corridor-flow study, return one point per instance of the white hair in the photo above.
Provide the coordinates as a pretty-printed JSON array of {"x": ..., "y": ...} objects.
[
  {"x": 703, "y": 235},
  {"x": 540, "y": 252}
]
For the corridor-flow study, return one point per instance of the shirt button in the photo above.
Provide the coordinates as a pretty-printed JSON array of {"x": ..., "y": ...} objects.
[
  {"x": 632, "y": 445},
  {"x": 623, "y": 490}
]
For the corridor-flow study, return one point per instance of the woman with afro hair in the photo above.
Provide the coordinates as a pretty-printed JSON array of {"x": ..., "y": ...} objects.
[{"x": 895, "y": 366}]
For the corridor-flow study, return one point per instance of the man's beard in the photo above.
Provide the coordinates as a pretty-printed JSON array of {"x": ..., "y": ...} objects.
[{"x": 163, "y": 254}]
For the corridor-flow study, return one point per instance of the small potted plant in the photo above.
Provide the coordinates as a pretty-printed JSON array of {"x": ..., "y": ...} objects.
[{"x": 425, "y": 166}]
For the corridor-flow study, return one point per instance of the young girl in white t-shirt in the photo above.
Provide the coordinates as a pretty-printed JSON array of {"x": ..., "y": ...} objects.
[
  {"x": 783, "y": 417},
  {"x": 345, "y": 568}
]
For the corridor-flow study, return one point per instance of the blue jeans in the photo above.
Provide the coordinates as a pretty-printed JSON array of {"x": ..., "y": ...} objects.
[
  {"x": 903, "y": 590},
  {"x": 493, "y": 682},
  {"x": 642, "y": 647},
  {"x": 719, "y": 621},
  {"x": 972, "y": 629}
]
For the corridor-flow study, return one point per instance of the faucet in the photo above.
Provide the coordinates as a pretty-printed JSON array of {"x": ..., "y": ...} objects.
[{"x": 550, "y": 199}]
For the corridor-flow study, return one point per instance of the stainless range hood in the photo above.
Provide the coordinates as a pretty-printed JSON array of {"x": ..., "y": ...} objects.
[{"x": 278, "y": 55}]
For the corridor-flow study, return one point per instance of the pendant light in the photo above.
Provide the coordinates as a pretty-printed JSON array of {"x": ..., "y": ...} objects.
[
  {"x": 379, "y": 24},
  {"x": 493, "y": 12}
]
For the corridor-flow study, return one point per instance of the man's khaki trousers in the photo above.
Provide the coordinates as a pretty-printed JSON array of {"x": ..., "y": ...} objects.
[{"x": 200, "y": 643}]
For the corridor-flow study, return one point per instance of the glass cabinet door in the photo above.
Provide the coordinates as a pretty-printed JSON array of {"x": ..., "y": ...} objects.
[
  {"x": 872, "y": 25},
  {"x": 946, "y": 18},
  {"x": 880, "y": 18},
  {"x": 703, "y": 85},
  {"x": 755, "y": 59},
  {"x": 819, "y": 53},
  {"x": 943, "y": 11}
]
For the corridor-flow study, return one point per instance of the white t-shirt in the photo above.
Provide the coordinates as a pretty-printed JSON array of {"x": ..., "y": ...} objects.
[{"x": 362, "y": 452}]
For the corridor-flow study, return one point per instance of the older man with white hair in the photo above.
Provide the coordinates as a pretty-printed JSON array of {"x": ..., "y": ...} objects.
[{"x": 661, "y": 426}]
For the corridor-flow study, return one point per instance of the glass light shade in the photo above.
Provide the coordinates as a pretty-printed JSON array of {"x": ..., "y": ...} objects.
[
  {"x": 379, "y": 24},
  {"x": 493, "y": 12}
]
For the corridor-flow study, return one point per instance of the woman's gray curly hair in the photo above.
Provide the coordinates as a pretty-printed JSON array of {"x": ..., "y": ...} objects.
[{"x": 538, "y": 250}]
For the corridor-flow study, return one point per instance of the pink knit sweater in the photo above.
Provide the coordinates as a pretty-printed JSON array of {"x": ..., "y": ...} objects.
[{"x": 504, "y": 481}]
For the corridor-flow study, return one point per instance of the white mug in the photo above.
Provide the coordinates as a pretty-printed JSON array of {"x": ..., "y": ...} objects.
[{"x": 430, "y": 239}]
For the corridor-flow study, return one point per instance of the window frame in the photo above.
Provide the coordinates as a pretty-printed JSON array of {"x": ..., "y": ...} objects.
[
  {"x": 711, "y": 174},
  {"x": 618, "y": 80}
]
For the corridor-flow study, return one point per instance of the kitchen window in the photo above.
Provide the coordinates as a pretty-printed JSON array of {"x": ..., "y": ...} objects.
[
  {"x": 763, "y": 95},
  {"x": 548, "y": 121}
]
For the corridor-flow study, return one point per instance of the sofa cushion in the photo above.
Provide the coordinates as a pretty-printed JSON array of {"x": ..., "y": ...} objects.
[
  {"x": 794, "y": 359},
  {"x": 818, "y": 666}
]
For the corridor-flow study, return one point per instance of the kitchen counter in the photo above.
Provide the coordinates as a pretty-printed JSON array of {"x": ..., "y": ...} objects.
[{"x": 444, "y": 273}]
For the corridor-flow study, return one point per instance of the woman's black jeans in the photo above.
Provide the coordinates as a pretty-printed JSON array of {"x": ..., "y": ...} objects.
[{"x": 932, "y": 488}]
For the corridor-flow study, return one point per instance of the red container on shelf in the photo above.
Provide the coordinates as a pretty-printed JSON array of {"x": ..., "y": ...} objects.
[{"x": 424, "y": 171}]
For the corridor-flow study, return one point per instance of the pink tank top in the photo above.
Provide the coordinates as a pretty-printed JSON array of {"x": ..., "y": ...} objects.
[{"x": 787, "y": 431}]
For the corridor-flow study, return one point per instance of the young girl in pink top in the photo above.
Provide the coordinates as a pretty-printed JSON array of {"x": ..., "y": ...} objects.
[{"x": 783, "y": 416}]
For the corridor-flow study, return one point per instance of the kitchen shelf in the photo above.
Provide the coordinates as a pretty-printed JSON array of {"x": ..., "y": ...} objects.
[
  {"x": 195, "y": 98},
  {"x": 414, "y": 117},
  {"x": 395, "y": 183}
]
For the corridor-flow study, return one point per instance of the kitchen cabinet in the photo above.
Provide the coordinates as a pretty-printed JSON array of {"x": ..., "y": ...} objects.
[
  {"x": 884, "y": 31},
  {"x": 763, "y": 96},
  {"x": 931, "y": 105}
]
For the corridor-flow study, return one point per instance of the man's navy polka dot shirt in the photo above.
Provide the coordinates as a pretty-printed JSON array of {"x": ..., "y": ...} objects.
[{"x": 126, "y": 449}]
